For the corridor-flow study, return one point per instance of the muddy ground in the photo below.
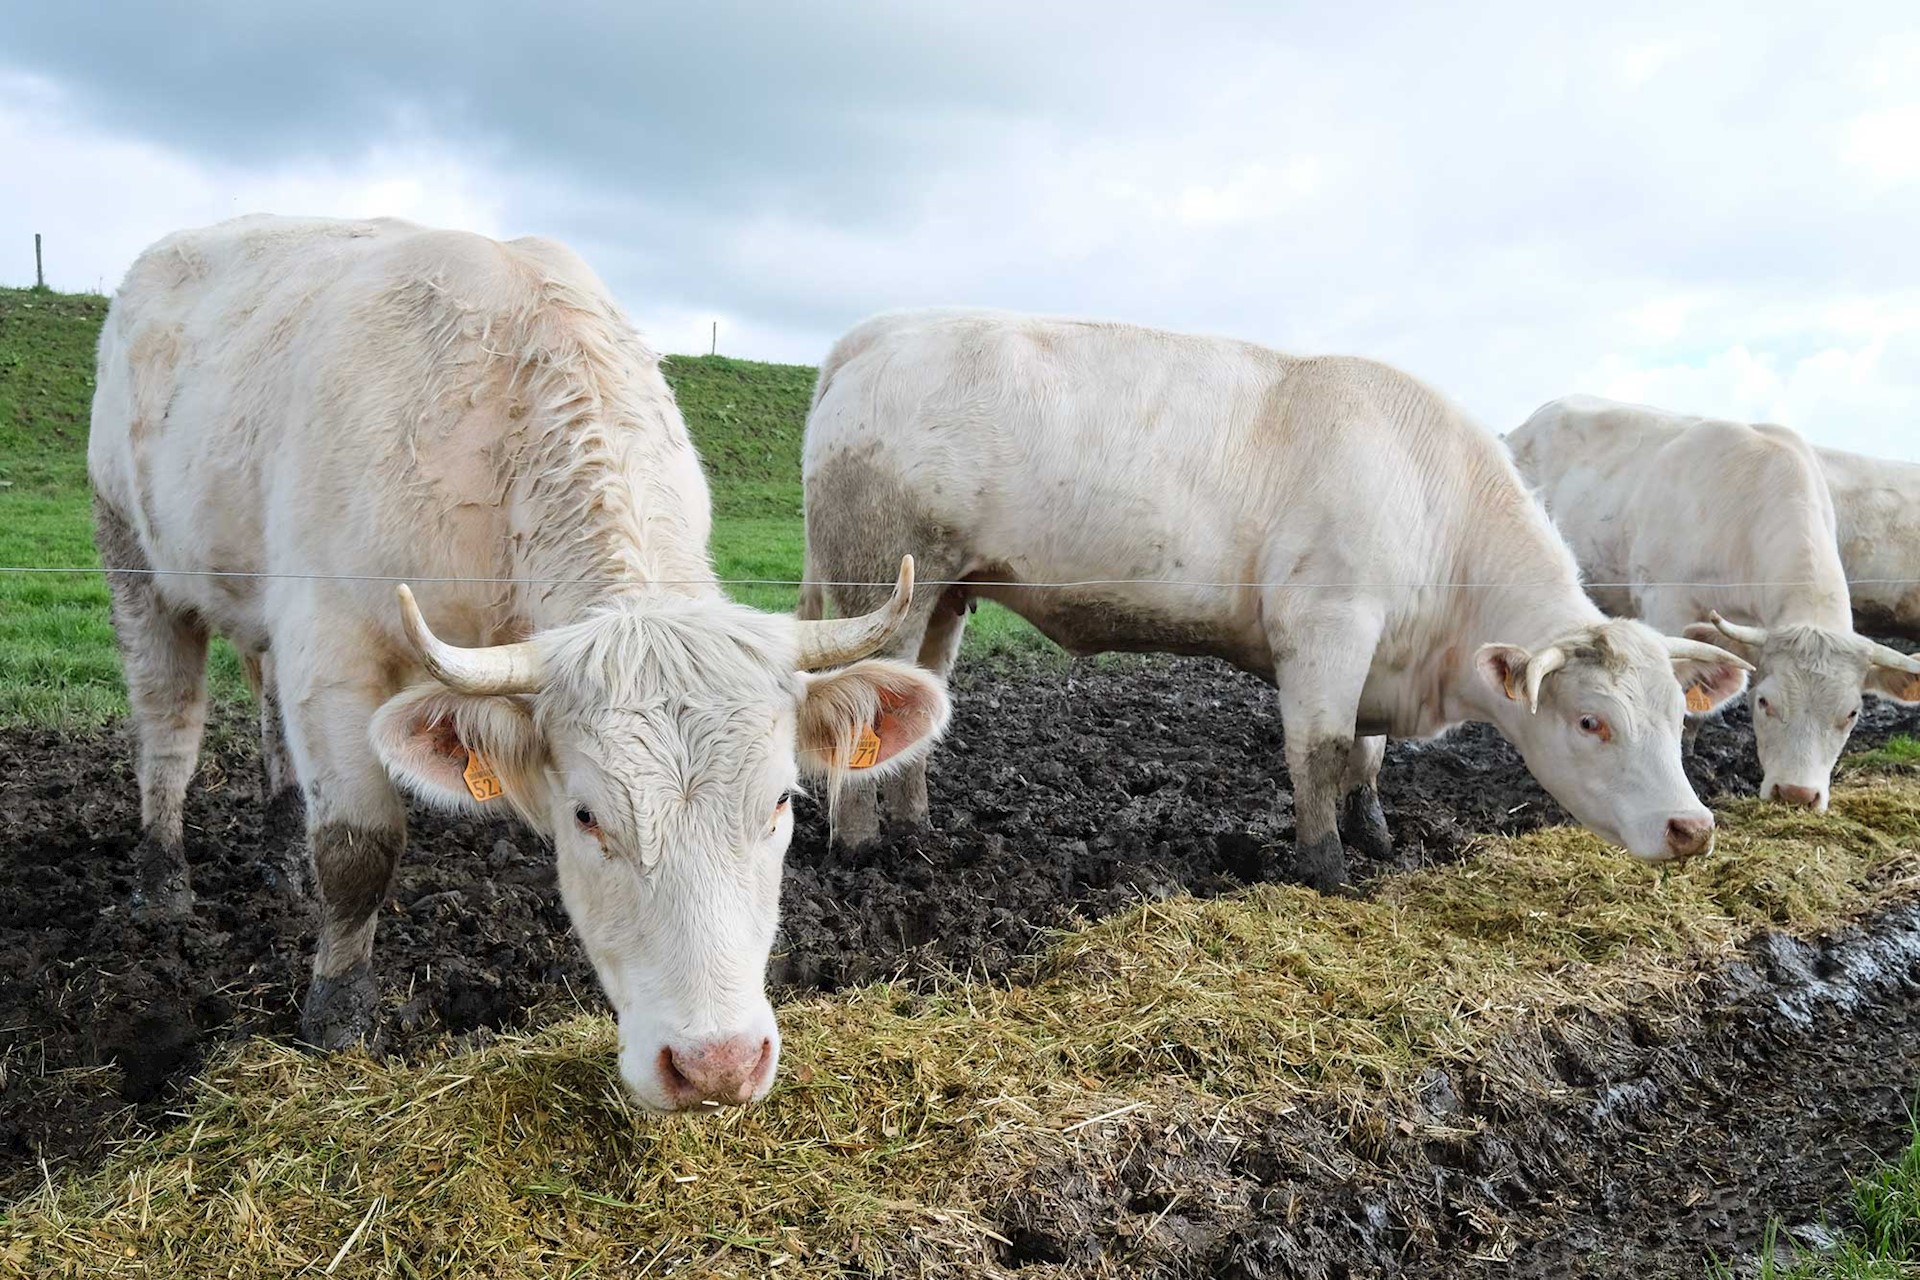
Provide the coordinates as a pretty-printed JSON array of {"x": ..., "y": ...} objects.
[{"x": 1061, "y": 792}]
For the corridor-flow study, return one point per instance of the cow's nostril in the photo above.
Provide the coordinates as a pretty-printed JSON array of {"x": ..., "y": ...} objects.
[
  {"x": 1689, "y": 836},
  {"x": 1801, "y": 797},
  {"x": 675, "y": 1079}
]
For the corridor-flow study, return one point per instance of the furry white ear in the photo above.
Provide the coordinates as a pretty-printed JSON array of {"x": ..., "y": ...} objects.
[
  {"x": 871, "y": 718},
  {"x": 459, "y": 751}
]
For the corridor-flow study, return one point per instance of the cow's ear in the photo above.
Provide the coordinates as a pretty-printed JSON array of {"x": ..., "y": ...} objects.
[
  {"x": 460, "y": 751},
  {"x": 1896, "y": 682},
  {"x": 1707, "y": 633},
  {"x": 1708, "y": 674},
  {"x": 1504, "y": 668},
  {"x": 868, "y": 719}
]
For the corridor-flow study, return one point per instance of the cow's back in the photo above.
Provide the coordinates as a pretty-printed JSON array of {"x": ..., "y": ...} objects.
[
  {"x": 307, "y": 397},
  {"x": 1673, "y": 515},
  {"x": 1876, "y": 505},
  {"x": 1152, "y": 465}
]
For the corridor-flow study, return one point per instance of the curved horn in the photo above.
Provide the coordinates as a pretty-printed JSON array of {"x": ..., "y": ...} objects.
[
  {"x": 1883, "y": 655},
  {"x": 1539, "y": 667},
  {"x": 834, "y": 641},
  {"x": 1681, "y": 649},
  {"x": 500, "y": 668},
  {"x": 1755, "y": 636}
]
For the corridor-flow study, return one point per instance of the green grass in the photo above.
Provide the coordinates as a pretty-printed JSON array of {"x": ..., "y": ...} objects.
[
  {"x": 1896, "y": 753},
  {"x": 57, "y": 661},
  {"x": 1884, "y": 1244}
]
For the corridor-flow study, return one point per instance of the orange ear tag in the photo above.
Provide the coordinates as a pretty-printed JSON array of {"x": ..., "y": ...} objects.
[
  {"x": 1697, "y": 699},
  {"x": 482, "y": 783},
  {"x": 866, "y": 749}
]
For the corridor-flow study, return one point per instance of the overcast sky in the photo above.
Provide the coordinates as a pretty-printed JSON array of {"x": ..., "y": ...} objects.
[{"x": 1712, "y": 207}]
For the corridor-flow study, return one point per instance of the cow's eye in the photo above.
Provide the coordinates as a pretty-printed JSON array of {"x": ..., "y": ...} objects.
[
  {"x": 1596, "y": 726},
  {"x": 1765, "y": 706},
  {"x": 588, "y": 823}
]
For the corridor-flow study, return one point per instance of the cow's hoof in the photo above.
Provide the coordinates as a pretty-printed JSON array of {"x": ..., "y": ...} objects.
[
  {"x": 161, "y": 887},
  {"x": 1364, "y": 825},
  {"x": 1321, "y": 864},
  {"x": 342, "y": 1012}
]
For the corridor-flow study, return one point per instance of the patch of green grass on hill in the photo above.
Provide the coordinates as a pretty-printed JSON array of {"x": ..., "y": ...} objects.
[{"x": 57, "y": 660}]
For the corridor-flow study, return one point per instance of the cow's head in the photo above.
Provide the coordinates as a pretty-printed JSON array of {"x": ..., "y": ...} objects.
[
  {"x": 1807, "y": 686},
  {"x": 1598, "y": 714},
  {"x": 658, "y": 743}
]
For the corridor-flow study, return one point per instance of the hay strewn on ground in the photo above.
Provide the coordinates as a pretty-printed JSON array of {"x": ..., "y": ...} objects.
[{"x": 899, "y": 1114}]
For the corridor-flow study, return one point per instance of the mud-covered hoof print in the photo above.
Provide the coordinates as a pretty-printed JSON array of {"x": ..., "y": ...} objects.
[
  {"x": 1322, "y": 865},
  {"x": 343, "y": 1012},
  {"x": 162, "y": 889}
]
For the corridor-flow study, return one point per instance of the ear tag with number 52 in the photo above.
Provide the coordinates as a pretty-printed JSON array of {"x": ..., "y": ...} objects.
[{"x": 482, "y": 783}]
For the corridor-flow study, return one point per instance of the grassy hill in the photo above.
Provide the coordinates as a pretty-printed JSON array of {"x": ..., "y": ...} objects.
[{"x": 57, "y": 663}]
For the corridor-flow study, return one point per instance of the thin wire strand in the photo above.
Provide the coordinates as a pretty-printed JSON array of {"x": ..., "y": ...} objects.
[{"x": 957, "y": 582}]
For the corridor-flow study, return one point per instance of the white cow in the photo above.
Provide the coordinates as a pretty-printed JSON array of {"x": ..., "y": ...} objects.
[
  {"x": 1327, "y": 524},
  {"x": 336, "y": 406},
  {"x": 1724, "y": 530},
  {"x": 1876, "y": 510}
]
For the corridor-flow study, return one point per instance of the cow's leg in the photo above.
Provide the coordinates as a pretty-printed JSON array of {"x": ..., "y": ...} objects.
[
  {"x": 1321, "y": 667},
  {"x": 853, "y": 808},
  {"x": 163, "y": 652},
  {"x": 903, "y": 797},
  {"x": 1363, "y": 824},
  {"x": 356, "y": 829},
  {"x": 286, "y": 866},
  {"x": 1689, "y": 732}
]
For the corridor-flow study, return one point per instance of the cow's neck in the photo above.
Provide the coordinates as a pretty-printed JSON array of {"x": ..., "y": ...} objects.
[{"x": 612, "y": 513}]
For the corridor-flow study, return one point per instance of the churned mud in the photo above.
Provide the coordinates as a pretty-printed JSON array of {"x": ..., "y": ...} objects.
[
  {"x": 1063, "y": 791},
  {"x": 1590, "y": 1147}
]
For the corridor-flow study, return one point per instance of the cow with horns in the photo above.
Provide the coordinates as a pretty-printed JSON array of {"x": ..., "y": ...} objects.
[
  {"x": 292, "y": 416},
  {"x": 1328, "y": 524},
  {"x": 1727, "y": 530}
]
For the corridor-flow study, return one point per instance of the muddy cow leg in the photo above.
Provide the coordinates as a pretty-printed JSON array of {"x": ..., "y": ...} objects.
[
  {"x": 1320, "y": 667},
  {"x": 356, "y": 829},
  {"x": 903, "y": 797},
  {"x": 1689, "y": 731},
  {"x": 1363, "y": 824},
  {"x": 286, "y": 867},
  {"x": 853, "y": 809},
  {"x": 163, "y": 651}
]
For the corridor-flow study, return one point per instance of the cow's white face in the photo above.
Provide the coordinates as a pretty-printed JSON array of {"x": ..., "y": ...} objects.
[
  {"x": 1598, "y": 718},
  {"x": 660, "y": 755},
  {"x": 1807, "y": 689}
]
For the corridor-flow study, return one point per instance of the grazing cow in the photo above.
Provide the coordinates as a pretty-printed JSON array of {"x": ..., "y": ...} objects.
[
  {"x": 314, "y": 410},
  {"x": 1724, "y": 530},
  {"x": 1327, "y": 524},
  {"x": 1876, "y": 510}
]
